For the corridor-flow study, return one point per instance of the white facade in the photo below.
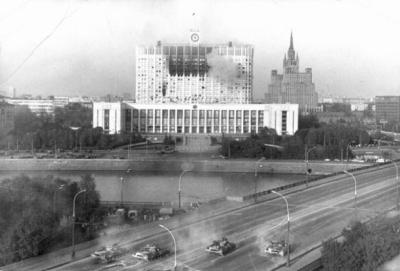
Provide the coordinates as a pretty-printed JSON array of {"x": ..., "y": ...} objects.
[
  {"x": 359, "y": 107},
  {"x": 108, "y": 116},
  {"x": 194, "y": 73},
  {"x": 36, "y": 106},
  {"x": 195, "y": 118}
]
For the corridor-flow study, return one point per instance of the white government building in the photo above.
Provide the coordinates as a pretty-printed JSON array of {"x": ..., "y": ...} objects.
[
  {"x": 195, "y": 118},
  {"x": 194, "y": 88}
]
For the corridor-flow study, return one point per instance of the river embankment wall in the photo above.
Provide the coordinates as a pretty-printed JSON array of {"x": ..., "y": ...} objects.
[{"x": 163, "y": 165}]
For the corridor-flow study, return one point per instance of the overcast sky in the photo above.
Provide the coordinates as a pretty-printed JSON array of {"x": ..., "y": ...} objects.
[{"x": 76, "y": 47}]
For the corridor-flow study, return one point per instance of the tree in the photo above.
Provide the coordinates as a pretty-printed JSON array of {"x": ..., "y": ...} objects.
[
  {"x": 365, "y": 246},
  {"x": 308, "y": 121},
  {"x": 28, "y": 225}
]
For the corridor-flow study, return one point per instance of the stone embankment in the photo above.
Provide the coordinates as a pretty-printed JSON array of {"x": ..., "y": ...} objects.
[{"x": 162, "y": 165}]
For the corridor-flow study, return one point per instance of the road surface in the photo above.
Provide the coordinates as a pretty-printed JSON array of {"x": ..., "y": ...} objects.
[{"x": 316, "y": 214}]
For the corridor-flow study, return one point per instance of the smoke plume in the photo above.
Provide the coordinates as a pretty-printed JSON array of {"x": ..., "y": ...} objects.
[{"x": 222, "y": 68}]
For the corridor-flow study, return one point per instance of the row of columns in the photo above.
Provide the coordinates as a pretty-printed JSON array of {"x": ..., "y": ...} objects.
[{"x": 195, "y": 122}]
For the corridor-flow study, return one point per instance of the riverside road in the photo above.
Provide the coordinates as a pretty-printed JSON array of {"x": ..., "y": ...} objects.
[{"x": 317, "y": 213}]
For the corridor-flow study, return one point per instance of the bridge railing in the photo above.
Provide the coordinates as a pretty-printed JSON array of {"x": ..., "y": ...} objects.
[
  {"x": 136, "y": 203},
  {"x": 311, "y": 180}
]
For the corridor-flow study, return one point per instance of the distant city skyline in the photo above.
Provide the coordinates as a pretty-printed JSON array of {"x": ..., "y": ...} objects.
[{"x": 77, "y": 47}]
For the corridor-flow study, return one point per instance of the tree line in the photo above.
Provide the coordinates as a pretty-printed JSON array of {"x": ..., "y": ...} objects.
[
  {"x": 69, "y": 128},
  {"x": 330, "y": 141},
  {"x": 366, "y": 247},
  {"x": 35, "y": 215}
]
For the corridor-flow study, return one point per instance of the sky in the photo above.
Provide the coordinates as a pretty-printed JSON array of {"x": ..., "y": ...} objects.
[{"x": 87, "y": 47}]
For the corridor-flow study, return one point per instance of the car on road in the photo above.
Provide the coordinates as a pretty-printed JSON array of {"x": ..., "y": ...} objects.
[
  {"x": 107, "y": 254},
  {"x": 221, "y": 247},
  {"x": 151, "y": 252},
  {"x": 280, "y": 248}
]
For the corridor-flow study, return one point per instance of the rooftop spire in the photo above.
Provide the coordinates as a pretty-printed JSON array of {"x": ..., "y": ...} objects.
[{"x": 291, "y": 41}]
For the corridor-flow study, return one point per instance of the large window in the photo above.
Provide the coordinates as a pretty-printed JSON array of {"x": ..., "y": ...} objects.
[
  {"x": 231, "y": 121},
  {"x": 135, "y": 119},
  {"x": 187, "y": 121},
  {"x": 216, "y": 121},
  {"x": 253, "y": 121},
  {"x": 260, "y": 120},
  {"x": 142, "y": 120},
  {"x": 246, "y": 121},
  {"x": 165, "y": 120},
  {"x": 202, "y": 118},
  {"x": 172, "y": 121},
  {"x": 224, "y": 120},
  {"x": 179, "y": 120},
  {"x": 106, "y": 119},
  {"x": 238, "y": 121},
  {"x": 284, "y": 122},
  {"x": 128, "y": 119}
]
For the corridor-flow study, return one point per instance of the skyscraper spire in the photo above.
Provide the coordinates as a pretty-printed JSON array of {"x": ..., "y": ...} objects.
[{"x": 291, "y": 41}]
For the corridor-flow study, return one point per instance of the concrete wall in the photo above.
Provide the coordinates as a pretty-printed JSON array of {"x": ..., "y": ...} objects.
[{"x": 212, "y": 165}]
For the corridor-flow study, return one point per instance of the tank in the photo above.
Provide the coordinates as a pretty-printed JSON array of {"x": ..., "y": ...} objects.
[{"x": 221, "y": 247}]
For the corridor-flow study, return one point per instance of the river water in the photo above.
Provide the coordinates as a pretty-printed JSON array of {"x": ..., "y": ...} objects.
[{"x": 163, "y": 186}]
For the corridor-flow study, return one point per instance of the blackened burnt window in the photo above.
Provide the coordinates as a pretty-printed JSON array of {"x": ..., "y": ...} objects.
[{"x": 188, "y": 60}]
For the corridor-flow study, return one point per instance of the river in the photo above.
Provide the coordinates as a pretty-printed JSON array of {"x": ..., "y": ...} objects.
[{"x": 163, "y": 186}]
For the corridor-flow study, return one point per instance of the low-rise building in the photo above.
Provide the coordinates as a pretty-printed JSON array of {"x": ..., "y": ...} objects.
[
  {"x": 37, "y": 106},
  {"x": 7, "y": 113},
  {"x": 387, "y": 109},
  {"x": 215, "y": 119}
]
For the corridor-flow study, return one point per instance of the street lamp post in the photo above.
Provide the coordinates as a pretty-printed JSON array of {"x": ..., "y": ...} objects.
[
  {"x": 288, "y": 226},
  {"x": 173, "y": 238},
  {"x": 397, "y": 185},
  {"x": 179, "y": 188},
  {"x": 122, "y": 189},
  {"x": 306, "y": 160},
  {"x": 54, "y": 197},
  {"x": 256, "y": 175},
  {"x": 355, "y": 191},
  {"x": 73, "y": 222},
  {"x": 122, "y": 186}
]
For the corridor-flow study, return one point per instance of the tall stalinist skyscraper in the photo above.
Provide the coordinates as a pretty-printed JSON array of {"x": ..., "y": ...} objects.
[{"x": 293, "y": 86}]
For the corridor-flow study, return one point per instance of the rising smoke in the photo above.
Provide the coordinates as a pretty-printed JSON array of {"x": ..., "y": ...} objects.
[{"x": 222, "y": 68}]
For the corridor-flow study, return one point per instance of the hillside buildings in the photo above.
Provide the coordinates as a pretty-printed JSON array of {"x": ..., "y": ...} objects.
[
  {"x": 387, "y": 109},
  {"x": 37, "y": 106},
  {"x": 7, "y": 113},
  {"x": 194, "y": 88},
  {"x": 293, "y": 86}
]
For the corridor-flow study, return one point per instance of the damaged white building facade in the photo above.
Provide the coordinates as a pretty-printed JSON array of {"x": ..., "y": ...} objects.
[
  {"x": 194, "y": 73},
  {"x": 194, "y": 88}
]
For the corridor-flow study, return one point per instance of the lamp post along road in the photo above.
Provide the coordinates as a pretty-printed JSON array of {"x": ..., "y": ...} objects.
[
  {"x": 179, "y": 188},
  {"x": 54, "y": 197},
  {"x": 288, "y": 227},
  {"x": 73, "y": 221},
  {"x": 122, "y": 190},
  {"x": 306, "y": 154},
  {"x": 397, "y": 185},
  {"x": 128, "y": 171},
  {"x": 173, "y": 238},
  {"x": 355, "y": 191},
  {"x": 256, "y": 175}
]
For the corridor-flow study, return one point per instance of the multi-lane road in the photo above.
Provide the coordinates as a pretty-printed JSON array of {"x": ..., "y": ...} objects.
[{"x": 316, "y": 213}]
